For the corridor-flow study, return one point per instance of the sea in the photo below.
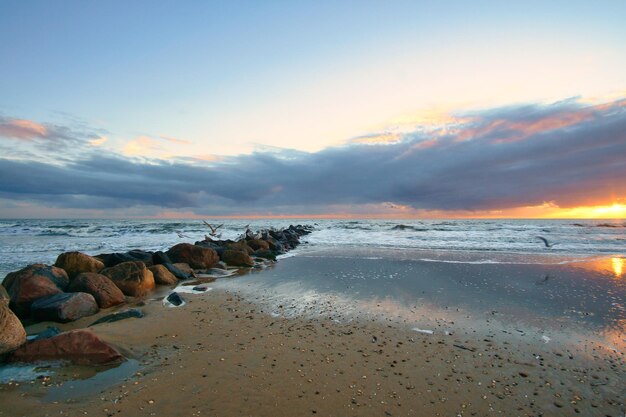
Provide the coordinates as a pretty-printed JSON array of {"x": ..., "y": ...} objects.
[
  {"x": 463, "y": 278},
  {"x": 24, "y": 242}
]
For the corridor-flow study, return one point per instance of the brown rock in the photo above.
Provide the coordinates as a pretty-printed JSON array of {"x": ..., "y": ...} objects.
[
  {"x": 258, "y": 244},
  {"x": 76, "y": 262},
  {"x": 81, "y": 347},
  {"x": 64, "y": 307},
  {"x": 106, "y": 293},
  {"x": 12, "y": 333},
  {"x": 184, "y": 267},
  {"x": 112, "y": 259},
  {"x": 265, "y": 254},
  {"x": 162, "y": 276},
  {"x": 31, "y": 283},
  {"x": 241, "y": 246},
  {"x": 237, "y": 258},
  {"x": 274, "y": 245},
  {"x": 133, "y": 278},
  {"x": 4, "y": 295},
  {"x": 196, "y": 256}
]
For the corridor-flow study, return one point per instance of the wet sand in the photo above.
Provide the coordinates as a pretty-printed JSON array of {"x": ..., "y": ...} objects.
[{"x": 220, "y": 355}]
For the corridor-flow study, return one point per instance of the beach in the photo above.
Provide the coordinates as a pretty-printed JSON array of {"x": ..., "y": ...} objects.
[
  {"x": 222, "y": 356},
  {"x": 312, "y": 336}
]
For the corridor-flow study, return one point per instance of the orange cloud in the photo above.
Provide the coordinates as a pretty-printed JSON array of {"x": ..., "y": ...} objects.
[
  {"x": 519, "y": 130},
  {"x": 176, "y": 140},
  {"x": 426, "y": 144},
  {"x": 208, "y": 157},
  {"x": 98, "y": 141},
  {"x": 22, "y": 129},
  {"x": 141, "y": 146}
]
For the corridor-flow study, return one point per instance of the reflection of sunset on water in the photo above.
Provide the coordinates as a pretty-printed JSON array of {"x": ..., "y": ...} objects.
[
  {"x": 618, "y": 266},
  {"x": 613, "y": 266}
]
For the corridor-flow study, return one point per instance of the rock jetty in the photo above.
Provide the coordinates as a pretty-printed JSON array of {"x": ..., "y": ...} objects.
[{"x": 79, "y": 285}]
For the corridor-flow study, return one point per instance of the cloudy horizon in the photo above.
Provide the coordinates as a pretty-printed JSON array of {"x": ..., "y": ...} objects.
[
  {"x": 313, "y": 110},
  {"x": 565, "y": 154}
]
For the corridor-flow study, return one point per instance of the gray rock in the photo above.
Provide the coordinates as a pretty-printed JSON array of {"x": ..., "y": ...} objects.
[
  {"x": 175, "y": 299},
  {"x": 64, "y": 307},
  {"x": 110, "y": 318}
]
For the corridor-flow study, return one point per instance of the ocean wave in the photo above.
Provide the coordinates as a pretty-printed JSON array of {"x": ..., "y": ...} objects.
[
  {"x": 52, "y": 233},
  {"x": 605, "y": 225}
]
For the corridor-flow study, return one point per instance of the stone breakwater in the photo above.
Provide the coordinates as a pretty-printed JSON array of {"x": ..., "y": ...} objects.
[{"x": 79, "y": 285}]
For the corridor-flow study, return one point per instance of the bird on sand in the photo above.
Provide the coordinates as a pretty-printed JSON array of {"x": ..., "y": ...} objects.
[{"x": 545, "y": 241}]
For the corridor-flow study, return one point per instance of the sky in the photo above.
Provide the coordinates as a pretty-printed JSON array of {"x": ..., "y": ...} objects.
[{"x": 324, "y": 109}]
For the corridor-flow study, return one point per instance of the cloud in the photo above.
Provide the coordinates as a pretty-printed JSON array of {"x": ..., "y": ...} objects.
[
  {"x": 52, "y": 142},
  {"x": 176, "y": 140},
  {"x": 377, "y": 138},
  {"x": 566, "y": 154},
  {"x": 151, "y": 147},
  {"x": 98, "y": 141},
  {"x": 140, "y": 146},
  {"x": 21, "y": 129}
]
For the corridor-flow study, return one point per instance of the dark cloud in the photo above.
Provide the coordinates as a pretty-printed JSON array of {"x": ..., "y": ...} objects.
[{"x": 564, "y": 153}]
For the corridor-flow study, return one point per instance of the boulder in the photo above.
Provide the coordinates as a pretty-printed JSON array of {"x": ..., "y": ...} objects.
[
  {"x": 31, "y": 283},
  {"x": 237, "y": 258},
  {"x": 162, "y": 276},
  {"x": 179, "y": 273},
  {"x": 76, "y": 262},
  {"x": 175, "y": 299},
  {"x": 4, "y": 295},
  {"x": 112, "y": 259},
  {"x": 217, "y": 246},
  {"x": 265, "y": 254},
  {"x": 81, "y": 347},
  {"x": 64, "y": 307},
  {"x": 278, "y": 235},
  {"x": 106, "y": 293},
  {"x": 133, "y": 278},
  {"x": 12, "y": 333},
  {"x": 196, "y": 256},
  {"x": 111, "y": 318},
  {"x": 56, "y": 275},
  {"x": 258, "y": 244},
  {"x": 292, "y": 238},
  {"x": 239, "y": 246},
  {"x": 160, "y": 257},
  {"x": 185, "y": 269}
]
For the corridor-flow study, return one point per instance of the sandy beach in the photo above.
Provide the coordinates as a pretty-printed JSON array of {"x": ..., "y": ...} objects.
[{"x": 222, "y": 356}]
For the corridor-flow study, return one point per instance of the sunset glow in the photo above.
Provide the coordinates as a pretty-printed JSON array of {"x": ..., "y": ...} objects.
[
  {"x": 613, "y": 211},
  {"x": 618, "y": 266},
  {"x": 613, "y": 266}
]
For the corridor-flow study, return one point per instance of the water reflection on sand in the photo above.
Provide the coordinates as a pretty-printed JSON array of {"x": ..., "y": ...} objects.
[{"x": 572, "y": 300}]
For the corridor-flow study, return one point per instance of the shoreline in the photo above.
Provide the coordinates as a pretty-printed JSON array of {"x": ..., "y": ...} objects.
[
  {"x": 576, "y": 303},
  {"x": 352, "y": 331},
  {"x": 222, "y": 355}
]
